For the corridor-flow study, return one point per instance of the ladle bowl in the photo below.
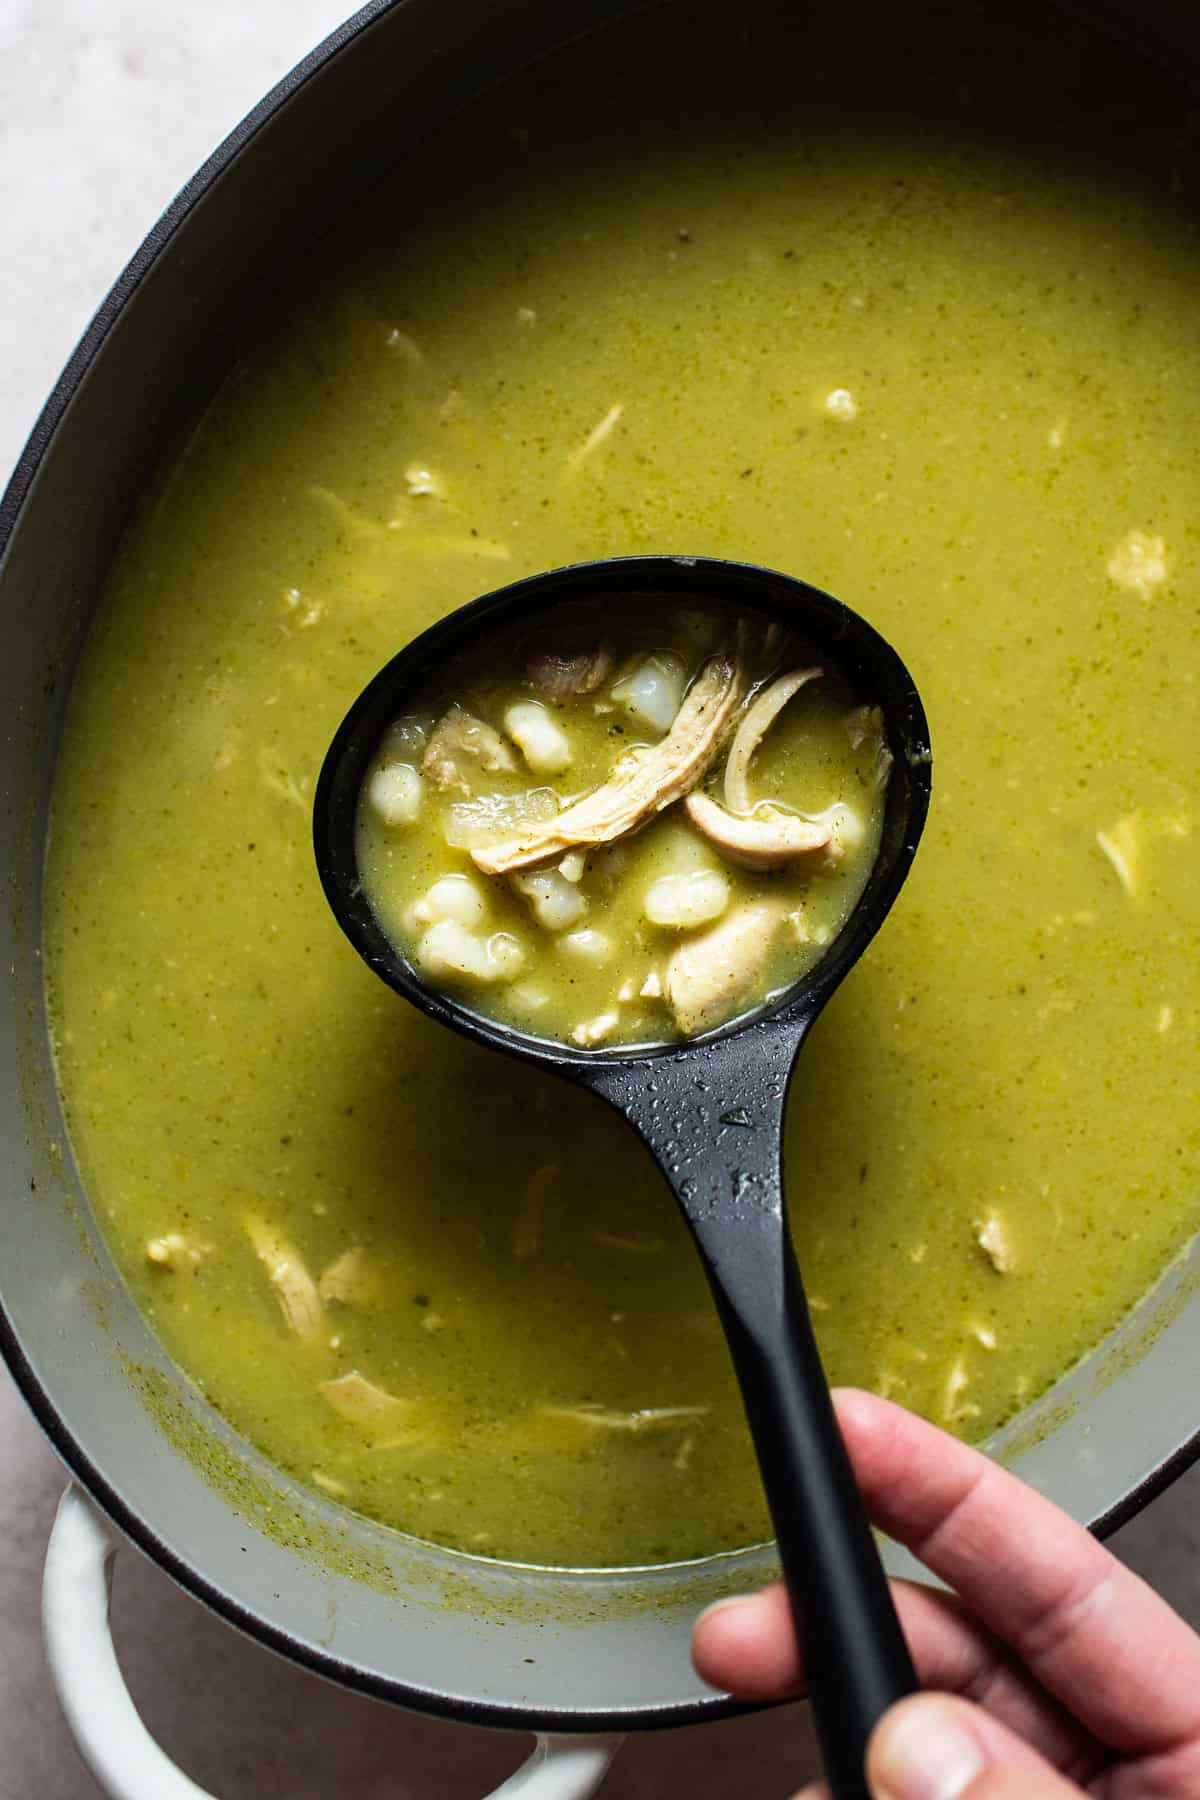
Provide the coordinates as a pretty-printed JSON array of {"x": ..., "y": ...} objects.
[{"x": 710, "y": 1109}]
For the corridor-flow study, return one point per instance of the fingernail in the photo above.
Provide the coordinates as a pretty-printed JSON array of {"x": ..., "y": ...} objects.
[
  {"x": 926, "y": 1752},
  {"x": 730, "y": 1601}
]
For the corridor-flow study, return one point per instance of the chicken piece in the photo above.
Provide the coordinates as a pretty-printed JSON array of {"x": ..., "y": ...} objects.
[
  {"x": 594, "y": 1031},
  {"x": 349, "y": 1279},
  {"x": 993, "y": 1239},
  {"x": 176, "y": 1253},
  {"x": 642, "y": 784},
  {"x": 1123, "y": 845},
  {"x": 294, "y": 1287},
  {"x": 768, "y": 839},
  {"x": 383, "y": 1418},
  {"x": 460, "y": 744},
  {"x": 561, "y": 673},
  {"x": 709, "y": 977},
  {"x": 631, "y": 1424},
  {"x": 758, "y": 720}
]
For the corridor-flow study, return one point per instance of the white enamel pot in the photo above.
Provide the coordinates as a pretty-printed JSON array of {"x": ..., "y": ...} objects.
[{"x": 577, "y": 1658}]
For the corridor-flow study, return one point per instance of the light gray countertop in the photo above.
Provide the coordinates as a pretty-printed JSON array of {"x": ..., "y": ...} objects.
[{"x": 106, "y": 107}]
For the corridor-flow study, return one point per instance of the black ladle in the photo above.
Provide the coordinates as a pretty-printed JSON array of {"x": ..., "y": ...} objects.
[{"x": 711, "y": 1109}]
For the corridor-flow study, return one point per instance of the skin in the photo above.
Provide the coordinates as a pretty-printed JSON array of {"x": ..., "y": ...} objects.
[{"x": 1056, "y": 1671}]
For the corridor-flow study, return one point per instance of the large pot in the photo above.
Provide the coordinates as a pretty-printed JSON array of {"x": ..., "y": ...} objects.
[{"x": 426, "y": 1627}]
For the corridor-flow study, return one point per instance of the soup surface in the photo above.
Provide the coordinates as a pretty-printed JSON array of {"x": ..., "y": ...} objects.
[
  {"x": 670, "y": 835},
  {"x": 909, "y": 309}
]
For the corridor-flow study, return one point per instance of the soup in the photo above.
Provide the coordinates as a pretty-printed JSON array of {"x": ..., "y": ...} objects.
[
  {"x": 626, "y": 858},
  {"x": 908, "y": 310}
]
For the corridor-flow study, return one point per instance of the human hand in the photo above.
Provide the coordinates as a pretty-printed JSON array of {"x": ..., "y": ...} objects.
[{"x": 1057, "y": 1672}]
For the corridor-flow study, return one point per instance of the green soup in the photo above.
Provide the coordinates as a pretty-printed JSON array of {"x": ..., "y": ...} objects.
[
  {"x": 627, "y": 858},
  {"x": 907, "y": 306}
]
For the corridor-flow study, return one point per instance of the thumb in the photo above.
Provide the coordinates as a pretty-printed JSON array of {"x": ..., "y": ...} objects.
[{"x": 937, "y": 1747}]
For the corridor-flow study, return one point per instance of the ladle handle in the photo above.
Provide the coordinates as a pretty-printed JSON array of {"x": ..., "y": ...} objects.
[
  {"x": 857, "y": 1661},
  {"x": 714, "y": 1122}
]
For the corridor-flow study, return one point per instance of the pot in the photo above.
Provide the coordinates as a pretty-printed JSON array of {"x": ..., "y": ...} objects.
[{"x": 555, "y": 1652}]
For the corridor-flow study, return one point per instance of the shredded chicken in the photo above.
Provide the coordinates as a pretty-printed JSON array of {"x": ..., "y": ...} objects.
[
  {"x": 767, "y": 839},
  {"x": 1123, "y": 845},
  {"x": 382, "y": 1417},
  {"x": 349, "y": 1279},
  {"x": 753, "y": 728},
  {"x": 993, "y": 1239},
  {"x": 294, "y": 1287},
  {"x": 460, "y": 744},
  {"x": 594, "y": 438},
  {"x": 647, "y": 1418},
  {"x": 956, "y": 1410},
  {"x": 643, "y": 783},
  {"x": 708, "y": 977},
  {"x": 561, "y": 673}
]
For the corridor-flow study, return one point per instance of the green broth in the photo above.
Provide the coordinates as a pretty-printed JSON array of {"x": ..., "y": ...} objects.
[{"x": 982, "y": 228}]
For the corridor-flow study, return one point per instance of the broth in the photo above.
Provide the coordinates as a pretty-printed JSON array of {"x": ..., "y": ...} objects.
[{"x": 669, "y": 837}]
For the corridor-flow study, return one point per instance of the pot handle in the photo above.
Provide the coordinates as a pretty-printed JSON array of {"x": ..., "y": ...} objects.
[{"x": 109, "y": 1734}]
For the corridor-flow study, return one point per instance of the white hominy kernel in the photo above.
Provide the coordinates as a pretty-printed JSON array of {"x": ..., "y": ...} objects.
[
  {"x": 456, "y": 897},
  {"x": 681, "y": 902},
  {"x": 653, "y": 692},
  {"x": 394, "y": 793},
  {"x": 841, "y": 404},
  {"x": 447, "y": 949},
  {"x": 593, "y": 946},
  {"x": 506, "y": 955},
  {"x": 542, "y": 743},
  {"x": 555, "y": 902}
]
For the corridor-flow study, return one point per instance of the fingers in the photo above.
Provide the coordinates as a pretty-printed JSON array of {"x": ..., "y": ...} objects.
[
  {"x": 1094, "y": 1635},
  {"x": 748, "y": 1647},
  {"x": 936, "y": 1747}
]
